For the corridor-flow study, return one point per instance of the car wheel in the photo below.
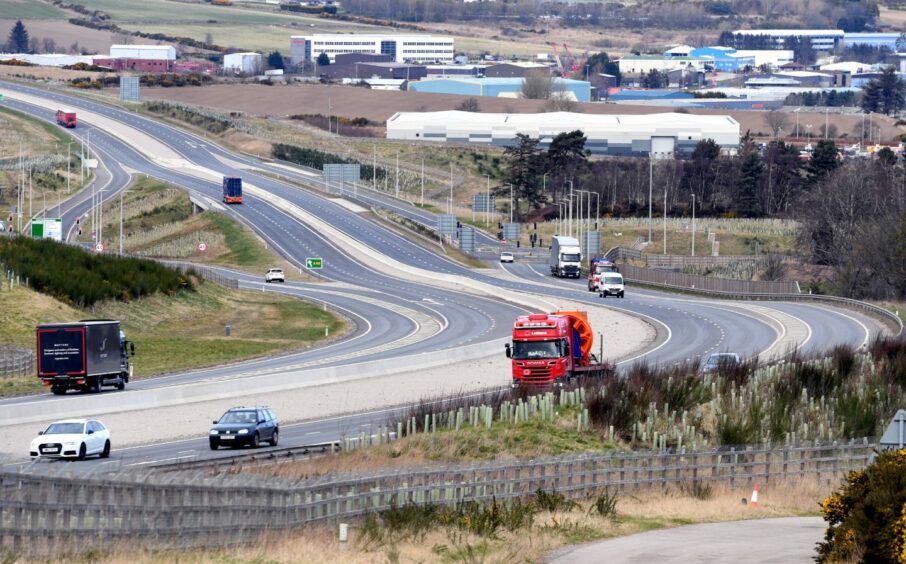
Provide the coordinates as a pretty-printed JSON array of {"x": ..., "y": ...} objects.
[
  {"x": 275, "y": 438},
  {"x": 256, "y": 441},
  {"x": 106, "y": 452},
  {"x": 621, "y": 294},
  {"x": 214, "y": 445},
  {"x": 82, "y": 452},
  {"x": 603, "y": 294}
]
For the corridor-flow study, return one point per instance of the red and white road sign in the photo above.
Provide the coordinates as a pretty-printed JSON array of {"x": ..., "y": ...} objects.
[
  {"x": 202, "y": 247},
  {"x": 99, "y": 247},
  {"x": 503, "y": 242}
]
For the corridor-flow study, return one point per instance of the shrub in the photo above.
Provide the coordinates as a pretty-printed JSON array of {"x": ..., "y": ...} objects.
[
  {"x": 866, "y": 517},
  {"x": 76, "y": 276},
  {"x": 553, "y": 501},
  {"x": 605, "y": 505}
]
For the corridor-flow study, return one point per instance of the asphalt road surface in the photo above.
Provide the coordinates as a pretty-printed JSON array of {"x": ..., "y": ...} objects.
[{"x": 758, "y": 541}]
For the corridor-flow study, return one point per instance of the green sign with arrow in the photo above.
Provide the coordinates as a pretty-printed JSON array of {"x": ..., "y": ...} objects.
[{"x": 313, "y": 263}]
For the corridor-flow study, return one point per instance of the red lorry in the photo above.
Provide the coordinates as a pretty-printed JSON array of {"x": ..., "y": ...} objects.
[
  {"x": 553, "y": 349},
  {"x": 598, "y": 267},
  {"x": 66, "y": 118}
]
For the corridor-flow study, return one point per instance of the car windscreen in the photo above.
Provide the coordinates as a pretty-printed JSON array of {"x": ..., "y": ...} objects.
[
  {"x": 536, "y": 349},
  {"x": 569, "y": 257},
  {"x": 613, "y": 279},
  {"x": 239, "y": 417},
  {"x": 65, "y": 429}
]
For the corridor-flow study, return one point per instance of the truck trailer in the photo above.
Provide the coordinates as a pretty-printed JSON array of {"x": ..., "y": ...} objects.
[
  {"x": 83, "y": 356},
  {"x": 232, "y": 190},
  {"x": 66, "y": 118},
  {"x": 554, "y": 349},
  {"x": 566, "y": 257}
]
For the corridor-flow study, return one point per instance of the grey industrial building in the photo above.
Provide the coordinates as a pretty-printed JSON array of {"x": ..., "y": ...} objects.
[
  {"x": 660, "y": 135},
  {"x": 367, "y": 65}
]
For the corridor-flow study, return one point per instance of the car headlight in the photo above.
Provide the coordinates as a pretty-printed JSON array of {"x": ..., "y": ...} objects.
[
  {"x": 70, "y": 443},
  {"x": 214, "y": 431},
  {"x": 243, "y": 431}
]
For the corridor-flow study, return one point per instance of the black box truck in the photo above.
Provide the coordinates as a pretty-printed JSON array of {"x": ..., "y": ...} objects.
[
  {"x": 232, "y": 190},
  {"x": 83, "y": 356}
]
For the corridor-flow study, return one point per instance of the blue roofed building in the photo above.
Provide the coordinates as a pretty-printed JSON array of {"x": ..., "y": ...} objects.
[
  {"x": 498, "y": 87},
  {"x": 630, "y": 95},
  {"x": 725, "y": 59}
]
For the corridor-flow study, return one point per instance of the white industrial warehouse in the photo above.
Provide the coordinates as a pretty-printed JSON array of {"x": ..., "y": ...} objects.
[{"x": 660, "y": 135}]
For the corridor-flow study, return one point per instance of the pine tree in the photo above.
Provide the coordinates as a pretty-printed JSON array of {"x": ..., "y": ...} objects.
[
  {"x": 823, "y": 161},
  {"x": 18, "y": 38},
  {"x": 275, "y": 60},
  {"x": 749, "y": 180},
  {"x": 871, "y": 97},
  {"x": 522, "y": 172}
]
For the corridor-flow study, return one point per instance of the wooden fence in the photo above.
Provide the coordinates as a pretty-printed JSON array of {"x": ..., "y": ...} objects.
[
  {"x": 706, "y": 283},
  {"x": 47, "y": 514}
]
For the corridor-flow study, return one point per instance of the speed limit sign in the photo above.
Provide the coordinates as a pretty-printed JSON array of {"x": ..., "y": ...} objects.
[
  {"x": 99, "y": 247},
  {"x": 202, "y": 247}
]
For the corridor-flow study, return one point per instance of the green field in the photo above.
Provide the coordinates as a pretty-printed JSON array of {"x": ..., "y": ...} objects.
[{"x": 28, "y": 9}]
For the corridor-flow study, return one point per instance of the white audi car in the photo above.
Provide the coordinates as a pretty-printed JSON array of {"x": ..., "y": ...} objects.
[{"x": 72, "y": 438}]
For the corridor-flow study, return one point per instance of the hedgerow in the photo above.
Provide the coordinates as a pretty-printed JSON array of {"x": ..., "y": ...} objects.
[
  {"x": 81, "y": 278},
  {"x": 317, "y": 159}
]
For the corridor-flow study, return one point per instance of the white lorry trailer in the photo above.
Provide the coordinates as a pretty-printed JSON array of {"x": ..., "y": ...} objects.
[{"x": 566, "y": 257}]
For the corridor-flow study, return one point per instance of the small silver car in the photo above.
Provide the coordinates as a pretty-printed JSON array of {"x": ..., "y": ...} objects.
[
  {"x": 718, "y": 361},
  {"x": 507, "y": 256}
]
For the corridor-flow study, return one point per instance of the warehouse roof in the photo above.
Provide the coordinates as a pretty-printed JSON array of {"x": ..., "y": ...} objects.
[{"x": 560, "y": 120}]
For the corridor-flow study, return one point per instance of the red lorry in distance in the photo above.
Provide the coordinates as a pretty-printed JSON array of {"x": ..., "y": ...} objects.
[
  {"x": 598, "y": 267},
  {"x": 554, "y": 349},
  {"x": 66, "y": 118}
]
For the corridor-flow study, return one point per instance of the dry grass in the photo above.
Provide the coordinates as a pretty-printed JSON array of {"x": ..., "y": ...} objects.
[{"x": 637, "y": 511}]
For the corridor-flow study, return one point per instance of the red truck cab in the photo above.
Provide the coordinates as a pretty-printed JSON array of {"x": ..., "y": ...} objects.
[
  {"x": 553, "y": 349},
  {"x": 596, "y": 269},
  {"x": 66, "y": 118}
]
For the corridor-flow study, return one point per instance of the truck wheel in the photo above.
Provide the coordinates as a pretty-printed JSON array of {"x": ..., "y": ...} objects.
[
  {"x": 57, "y": 390},
  {"x": 94, "y": 385},
  {"x": 122, "y": 385},
  {"x": 603, "y": 294},
  {"x": 106, "y": 452}
]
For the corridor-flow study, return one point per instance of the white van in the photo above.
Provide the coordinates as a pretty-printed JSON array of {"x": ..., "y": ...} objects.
[{"x": 610, "y": 284}]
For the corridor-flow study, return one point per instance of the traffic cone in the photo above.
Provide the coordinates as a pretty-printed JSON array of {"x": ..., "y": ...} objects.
[{"x": 754, "y": 502}]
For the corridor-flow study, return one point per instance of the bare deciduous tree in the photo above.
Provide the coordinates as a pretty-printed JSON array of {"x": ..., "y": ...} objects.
[
  {"x": 777, "y": 121},
  {"x": 537, "y": 85},
  {"x": 470, "y": 104},
  {"x": 50, "y": 46}
]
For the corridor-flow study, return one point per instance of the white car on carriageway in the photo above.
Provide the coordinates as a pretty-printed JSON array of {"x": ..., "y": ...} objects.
[{"x": 72, "y": 438}]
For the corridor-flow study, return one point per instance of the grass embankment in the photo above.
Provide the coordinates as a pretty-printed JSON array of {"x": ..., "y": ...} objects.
[
  {"x": 44, "y": 148},
  {"x": 175, "y": 326},
  {"x": 503, "y": 532},
  {"x": 176, "y": 333},
  {"x": 158, "y": 221}
]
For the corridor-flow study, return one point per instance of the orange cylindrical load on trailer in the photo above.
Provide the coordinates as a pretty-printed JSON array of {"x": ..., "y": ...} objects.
[{"x": 579, "y": 322}]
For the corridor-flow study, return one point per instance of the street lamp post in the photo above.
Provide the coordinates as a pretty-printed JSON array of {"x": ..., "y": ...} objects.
[
  {"x": 650, "y": 191},
  {"x": 693, "y": 223}
]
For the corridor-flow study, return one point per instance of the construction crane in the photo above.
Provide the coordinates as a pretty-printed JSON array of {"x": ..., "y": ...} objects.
[
  {"x": 560, "y": 68},
  {"x": 573, "y": 65}
]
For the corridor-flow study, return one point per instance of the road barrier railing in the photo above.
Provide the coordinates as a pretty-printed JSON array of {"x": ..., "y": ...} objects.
[
  {"x": 213, "y": 275},
  {"x": 49, "y": 514},
  {"x": 15, "y": 362}
]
